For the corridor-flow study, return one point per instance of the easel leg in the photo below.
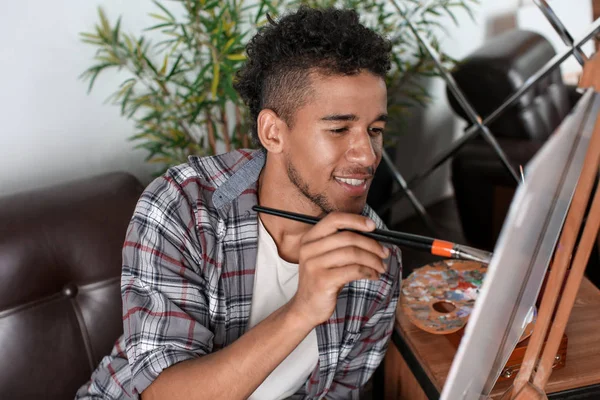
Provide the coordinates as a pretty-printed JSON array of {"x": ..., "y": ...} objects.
[{"x": 567, "y": 300}]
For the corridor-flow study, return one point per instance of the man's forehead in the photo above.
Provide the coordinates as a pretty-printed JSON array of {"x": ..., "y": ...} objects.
[
  {"x": 322, "y": 76},
  {"x": 336, "y": 92}
]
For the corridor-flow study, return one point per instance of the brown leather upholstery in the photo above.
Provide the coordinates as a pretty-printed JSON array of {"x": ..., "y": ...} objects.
[
  {"x": 60, "y": 266},
  {"x": 499, "y": 68}
]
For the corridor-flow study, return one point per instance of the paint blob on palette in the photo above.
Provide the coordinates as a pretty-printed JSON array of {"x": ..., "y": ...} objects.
[{"x": 439, "y": 297}]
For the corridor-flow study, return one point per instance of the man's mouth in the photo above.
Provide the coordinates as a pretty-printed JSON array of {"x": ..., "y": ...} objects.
[{"x": 351, "y": 181}]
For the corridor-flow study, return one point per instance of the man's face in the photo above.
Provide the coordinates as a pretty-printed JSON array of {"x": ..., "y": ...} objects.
[{"x": 335, "y": 143}]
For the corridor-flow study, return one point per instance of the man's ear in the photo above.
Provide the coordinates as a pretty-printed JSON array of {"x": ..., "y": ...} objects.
[{"x": 271, "y": 130}]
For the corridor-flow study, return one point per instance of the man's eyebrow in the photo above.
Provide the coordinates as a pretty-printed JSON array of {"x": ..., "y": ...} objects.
[
  {"x": 351, "y": 117},
  {"x": 382, "y": 118},
  {"x": 340, "y": 117}
]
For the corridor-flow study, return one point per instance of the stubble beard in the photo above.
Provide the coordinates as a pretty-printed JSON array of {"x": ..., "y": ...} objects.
[{"x": 318, "y": 199}]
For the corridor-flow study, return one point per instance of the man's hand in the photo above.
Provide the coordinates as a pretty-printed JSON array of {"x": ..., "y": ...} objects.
[{"x": 329, "y": 259}]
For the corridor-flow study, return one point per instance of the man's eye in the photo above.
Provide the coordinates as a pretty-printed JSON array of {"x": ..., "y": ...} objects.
[
  {"x": 339, "y": 130},
  {"x": 376, "y": 131}
]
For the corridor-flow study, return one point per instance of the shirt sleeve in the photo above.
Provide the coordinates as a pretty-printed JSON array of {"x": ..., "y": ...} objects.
[
  {"x": 370, "y": 345},
  {"x": 165, "y": 308}
]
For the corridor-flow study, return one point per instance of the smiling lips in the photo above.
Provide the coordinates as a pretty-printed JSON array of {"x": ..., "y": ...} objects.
[
  {"x": 353, "y": 182},
  {"x": 353, "y": 185}
]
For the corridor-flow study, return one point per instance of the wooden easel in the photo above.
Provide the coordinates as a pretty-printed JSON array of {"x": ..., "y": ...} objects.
[{"x": 537, "y": 366}]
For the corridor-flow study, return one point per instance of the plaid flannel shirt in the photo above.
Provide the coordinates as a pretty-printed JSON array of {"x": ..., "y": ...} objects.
[{"x": 188, "y": 268}]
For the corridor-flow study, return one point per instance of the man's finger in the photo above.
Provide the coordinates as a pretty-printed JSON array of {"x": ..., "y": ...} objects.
[
  {"x": 342, "y": 239},
  {"x": 347, "y": 256},
  {"x": 348, "y": 273}
]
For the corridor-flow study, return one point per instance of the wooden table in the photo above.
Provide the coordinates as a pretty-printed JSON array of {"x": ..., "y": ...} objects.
[{"x": 417, "y": 363}]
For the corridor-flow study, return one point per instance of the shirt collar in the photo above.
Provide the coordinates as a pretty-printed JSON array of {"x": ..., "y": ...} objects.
[{"x": 246, "y": 176}]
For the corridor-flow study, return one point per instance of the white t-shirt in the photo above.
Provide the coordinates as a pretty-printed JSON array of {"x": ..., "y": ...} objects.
[{"x": 275, "y": 283}]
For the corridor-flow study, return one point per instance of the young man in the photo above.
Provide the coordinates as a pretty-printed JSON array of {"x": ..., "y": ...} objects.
[{"x": 222, "y": 303}]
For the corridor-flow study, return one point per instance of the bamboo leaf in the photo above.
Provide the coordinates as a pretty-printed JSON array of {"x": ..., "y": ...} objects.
[
  {"x": 158, "y": 26},
  {"x": 125, "y": 100},
  {"x": 165, "y": 10},
  {"x": 451, "y": 14},
  {"x": 128, "y": 82},
  {"x": 93, "y": 79},
  {"x": 93, "y": 72},
  {"x": 94, "y": 42},
  {"x": 432, "y": 11},
  {"x": 128, "y": 43},
  {"x": 228, "y": 45},
  {"x": 229, "y": 90},
  {"x": 174, "y": 68},
  {"x": 104, "y": 22},
  {"x": 134, "y": 108},
  {"x": 110, "y": 60},
  {"x": 211, "y": 5},
  {"x": 116, "y": 31},
  {"x": 163, "y": 69},
  {"x": 215, "y": 82},
  {"x": 89, "y": 35},
  {"x": 149, "y": 63},
  {"x": 185, "y": 33},
  {"x": 160, "y": 17},
  {"x": 259, "y": 13},
  {"x": 216, "y": 72},
  {"x": 236, "y": 57}
]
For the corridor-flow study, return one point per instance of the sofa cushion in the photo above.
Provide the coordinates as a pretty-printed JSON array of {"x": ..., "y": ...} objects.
[{"x": 60, "y": 266}]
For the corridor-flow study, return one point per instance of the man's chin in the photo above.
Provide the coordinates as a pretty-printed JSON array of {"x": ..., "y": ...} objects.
[{"x": 355, "y": 208}]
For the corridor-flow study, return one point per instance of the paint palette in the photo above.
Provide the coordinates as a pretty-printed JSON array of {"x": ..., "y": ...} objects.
[{"x": 439, "y": 297}]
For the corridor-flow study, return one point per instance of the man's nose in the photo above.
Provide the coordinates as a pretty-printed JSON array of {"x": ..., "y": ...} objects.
[{"x": 362, "y": 149}]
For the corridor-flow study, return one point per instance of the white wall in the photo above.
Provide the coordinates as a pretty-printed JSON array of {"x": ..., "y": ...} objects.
[{"x": 51, "y": 130}]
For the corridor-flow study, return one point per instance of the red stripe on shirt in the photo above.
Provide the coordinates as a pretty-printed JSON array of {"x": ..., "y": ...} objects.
[
  {"x": 175, "y": 314},
  {"x": 229, "y": 169},
  {"x": 191, "y": 333},
  {"x": 154, "y": 252},
  {"x": 238, "y": 273},
  {"x": 120, "y": 351},
  {"x": 245, "y": 154},
  {"x": 113, "y": 375}
]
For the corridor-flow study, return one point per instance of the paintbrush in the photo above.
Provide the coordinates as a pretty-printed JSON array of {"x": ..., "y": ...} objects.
[{"x": 433, "y": 246}]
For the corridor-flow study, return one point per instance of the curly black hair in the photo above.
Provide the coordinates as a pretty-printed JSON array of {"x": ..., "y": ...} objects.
[{"x": 282, "y": 54}]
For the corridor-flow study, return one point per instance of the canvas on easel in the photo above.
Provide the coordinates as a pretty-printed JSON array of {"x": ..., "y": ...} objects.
[
  {"x": 536, "y": 369},
  {"x": 522, "y": 255}
]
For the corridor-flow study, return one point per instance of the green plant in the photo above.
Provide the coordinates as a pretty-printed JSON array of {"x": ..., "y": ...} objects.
[{"x": 179, "y": 91}]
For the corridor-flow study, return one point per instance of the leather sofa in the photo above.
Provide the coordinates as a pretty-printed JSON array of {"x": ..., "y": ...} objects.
[
  {"x": 482, "y": 186},
  {"x": 60, "y": 266}
]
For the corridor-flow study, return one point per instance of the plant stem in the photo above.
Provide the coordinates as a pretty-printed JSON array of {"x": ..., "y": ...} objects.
[
  {"x": 226, "y": 138},
  {"x": 211, "y": 133}
]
